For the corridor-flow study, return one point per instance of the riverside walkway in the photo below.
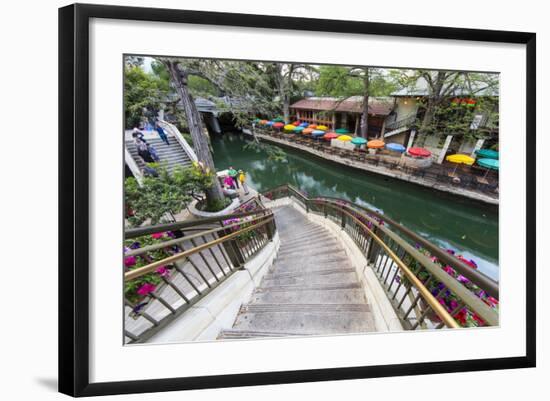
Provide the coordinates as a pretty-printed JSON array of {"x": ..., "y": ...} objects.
[{"x": 438, "y": 181}]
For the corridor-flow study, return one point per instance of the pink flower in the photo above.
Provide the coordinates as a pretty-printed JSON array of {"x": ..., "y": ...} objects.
[
  {"x": 157, "y": 235},
  {"x": 462, "y": 279},
  {"x": 163, "y": 271},
  {"x": 129, "y": 261},
  {"x": 146, "y": 289}
]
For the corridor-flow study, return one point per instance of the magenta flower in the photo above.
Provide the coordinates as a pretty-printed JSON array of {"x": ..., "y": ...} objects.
[
  {"x": 157, "y": 235},
  {"x": 129, "y": 261},
  {"x": 462, "y": 279},
  {"x": 146, "y": 288},
  {"x": 163, "y": 271}
]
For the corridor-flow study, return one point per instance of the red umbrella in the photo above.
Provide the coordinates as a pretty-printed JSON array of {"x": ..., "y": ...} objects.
[
  {"x": 296, "y": 123},
  {"x": 330, "y": 135},
  {"x": 278, "y": 125},
  {"x": 420, "y": 152}
]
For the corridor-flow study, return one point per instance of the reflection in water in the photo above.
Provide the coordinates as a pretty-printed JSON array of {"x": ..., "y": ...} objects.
[{"x": 448, "y": 221}]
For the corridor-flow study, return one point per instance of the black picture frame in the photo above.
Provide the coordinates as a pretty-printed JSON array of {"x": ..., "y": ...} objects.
[{"x": 74, "y": 198}]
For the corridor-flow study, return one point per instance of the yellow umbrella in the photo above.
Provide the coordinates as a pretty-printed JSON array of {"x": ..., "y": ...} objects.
[
  {"x": 345, "y": 138},
  {"x": 322, "y": 127},
  {"x": 460, "y": 159},
  {"x": 289, "y": 127}
]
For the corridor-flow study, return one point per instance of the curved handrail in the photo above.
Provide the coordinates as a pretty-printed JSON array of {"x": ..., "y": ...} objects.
[
  {"x": 182, "y": 225},
  {"x": 484, "y": 282},
  {"x": 387, "y": 228},
  {"x": 140, "y": 271}
]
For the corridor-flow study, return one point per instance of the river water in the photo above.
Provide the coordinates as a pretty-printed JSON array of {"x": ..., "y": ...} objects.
[{"x": 468, "y": 227}]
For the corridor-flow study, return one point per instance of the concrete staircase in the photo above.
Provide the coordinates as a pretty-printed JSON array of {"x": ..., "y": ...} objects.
[
  {"x": 311, "y": 289},
  {"x": 173, "y": 155}
]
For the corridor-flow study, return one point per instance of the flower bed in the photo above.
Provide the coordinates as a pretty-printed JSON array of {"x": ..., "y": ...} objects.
[{"x": 138, "y": 291}]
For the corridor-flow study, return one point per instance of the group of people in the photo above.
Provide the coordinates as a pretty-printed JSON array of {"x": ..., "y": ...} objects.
[
  {"x": 147, "y": 151},
  {"x": 236, "y": 179}
]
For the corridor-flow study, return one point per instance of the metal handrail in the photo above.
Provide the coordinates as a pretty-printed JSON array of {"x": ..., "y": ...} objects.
[
  {"x": 133, "y": 274},
  {"x": 182, "y": 225},
  {"x": 428, "y": 297},
  {"x": 360, "y": 215},
  {"x": 487, "y": 284}
]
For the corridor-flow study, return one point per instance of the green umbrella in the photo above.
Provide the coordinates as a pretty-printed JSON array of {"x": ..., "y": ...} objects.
[
  {"x": 358, "y": 141},
  {"x": 298, "y": 129},
  {"x": 489, "y": 164},
  {"x": 487, "y": 153},
  {"x": 278, "y": 120},
  {"x": 342, "y": 131},
  {"x": 232, "y": 172}
]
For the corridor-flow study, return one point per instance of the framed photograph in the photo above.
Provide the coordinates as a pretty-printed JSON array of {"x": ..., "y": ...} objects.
[{"x": 252, "y": 199}]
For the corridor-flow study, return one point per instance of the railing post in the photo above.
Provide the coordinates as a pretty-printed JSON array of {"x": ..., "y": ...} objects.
[
  {"x": 343, "y": 220},
  {"x": 233, "y": 251},
  {"x": 325, "y": 210},
  {"x": 307, "y": 206}
]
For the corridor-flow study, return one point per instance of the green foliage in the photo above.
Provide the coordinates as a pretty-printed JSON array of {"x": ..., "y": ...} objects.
[
  {"x": 143, "y": 93},
  {"x": 165, "y": 194},
  {"x": 215, "y": 205},
  {"x": 338, "y": 81}
]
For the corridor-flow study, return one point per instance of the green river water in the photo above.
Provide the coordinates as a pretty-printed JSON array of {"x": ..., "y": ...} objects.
[{"x": 468, "y": 227}]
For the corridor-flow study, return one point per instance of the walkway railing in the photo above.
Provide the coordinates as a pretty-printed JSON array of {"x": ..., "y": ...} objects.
[
  {"x": 170, "y": 267},
  {"x": 427, "y": 286}
]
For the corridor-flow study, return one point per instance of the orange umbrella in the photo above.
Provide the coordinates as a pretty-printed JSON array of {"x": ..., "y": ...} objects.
[
  {"x": 314, "y": 126},
  {"x": 375, "y": 144},
  {"x": 307, "y": 131},
  {"x": 296, "y": 123}
]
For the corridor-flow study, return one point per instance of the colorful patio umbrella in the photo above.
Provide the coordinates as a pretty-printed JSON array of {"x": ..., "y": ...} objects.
[
  {"x": 330, "y": 135},
  {"x": 307, "y": 131},
  {"x": 342, "y": 131},
  {"x": 375, "y": 144},
  {"x": 344, "y": 138},
  {"x": 278, "y": 125},
  {"x": 460, "y": 158},
  {"x": 298, "y": 129},
  {"x": 396, "y": 147},
  {"x": 489, "y": 164},
  {"x": 419, "y": 152},
  {"x": 256, "y": 120},
  {"x": 487, "y": 154},
  {"x": 358, "y": 141},
  {"x": 279, "y": 120},
  {"x": 289, "y": 127},
  {"x": 322, "y": 127},
  {"x": 314, "y": 126},
  {"x": 317, "y": 133},
  {"x": 263, "y": 122},
  {"x": 305, "y": 125},
  {"x": 296, "y": 123},
  {"x": 269, "y": 123}
]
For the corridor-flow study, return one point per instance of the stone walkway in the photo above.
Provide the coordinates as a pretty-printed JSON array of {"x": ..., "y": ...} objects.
[{"x": 311, "y": 289}]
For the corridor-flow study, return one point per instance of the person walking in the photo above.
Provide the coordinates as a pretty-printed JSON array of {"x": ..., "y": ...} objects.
[
  {"x": 153, "y": 152},
  {"x": 233, "y": 174},
  {"x": 162, "y": 134},
  {"x": 242, "y": 179}
]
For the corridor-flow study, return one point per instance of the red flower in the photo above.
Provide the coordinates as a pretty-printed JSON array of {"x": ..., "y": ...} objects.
[
  {"x": 157, "y": 235},
  {"x": 129, "y": 261},
  {"x": 146, "y": 288}
]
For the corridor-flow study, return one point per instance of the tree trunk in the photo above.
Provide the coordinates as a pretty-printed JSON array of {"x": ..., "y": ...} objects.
[
  {"x": 286, "y": 108},
  {"x": 365, "y": 112},
  {"x": 214, "y": 194}
]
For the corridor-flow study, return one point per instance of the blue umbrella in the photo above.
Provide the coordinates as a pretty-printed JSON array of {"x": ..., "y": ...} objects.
[
  {"x": 317, "y": 133},
  {"x": 298, "y": 129},
  {"x": 396, "y": 147},
  {"x": 304, "y": 125},
  {"x": 270, "y": 123}
]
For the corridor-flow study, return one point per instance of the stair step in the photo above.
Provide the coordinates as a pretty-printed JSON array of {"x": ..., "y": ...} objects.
[
  {"x": 236, "y": 334},
  {"x": 316, "y": 308},
  {"x": 313, "y": 279},
  {"x": 311, "y": 265},
  {"x": 312, "y": 296},
  {"x": 310, "y": 253},
  {"x": 318, "y": 287},
  {"x": 309, "y": 322},
  {"x": 276, "y": 275}
]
